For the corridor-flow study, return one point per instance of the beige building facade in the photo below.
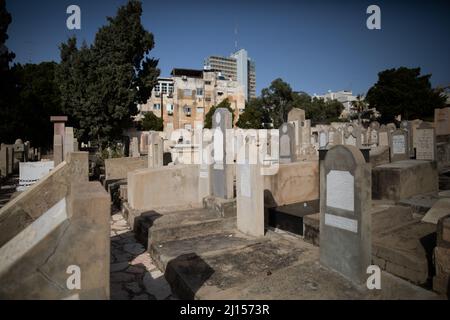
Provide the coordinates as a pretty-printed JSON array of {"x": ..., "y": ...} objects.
[{"x": 185, "y": 98}]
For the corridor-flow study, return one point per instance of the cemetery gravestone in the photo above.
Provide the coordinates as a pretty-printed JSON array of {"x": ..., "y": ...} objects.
[
  {"x": 250, "y": 195},
  {"x": 383, "y": 137},
  {"x": 345, "y": 220},
  {"x": 399, "y": 145},
  {"x": 425, "y": 142},
  {"x": 156, "y": 150},
  {"x": 221, "y": 172},
  {"x": 442, "y": 121},
  {"x": 287, "y": 141}
]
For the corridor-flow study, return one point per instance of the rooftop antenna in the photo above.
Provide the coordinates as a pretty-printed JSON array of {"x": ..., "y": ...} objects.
[{"x": 236, "y": 37}]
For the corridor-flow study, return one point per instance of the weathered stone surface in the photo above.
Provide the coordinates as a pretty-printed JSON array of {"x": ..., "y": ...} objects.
[
  {"x": 403, "y": 179},
  {"x": 175, "y": 185},
  {"x": 345, "y": 221},
  {"x": 293, "y": 182},
  {"x": 73, "y": 235},
  {"x": 118, "y": 168},
  {"x": 28, "y": 206},
  {"x": 379, "y": 155},
  {"x": 221, "y": 172},
  {"x": 439, "y": 210}
]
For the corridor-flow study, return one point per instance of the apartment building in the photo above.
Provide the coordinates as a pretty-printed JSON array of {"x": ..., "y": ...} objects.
[
  {"x": 238, "y": 67},
  {"x": 184, "y": 99}
]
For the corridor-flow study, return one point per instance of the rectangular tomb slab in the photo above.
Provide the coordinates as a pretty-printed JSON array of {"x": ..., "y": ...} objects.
[{"x": 403, "y": 179}]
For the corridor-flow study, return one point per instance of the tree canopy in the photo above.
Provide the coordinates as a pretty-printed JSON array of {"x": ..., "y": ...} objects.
[
  {"x": 102, "y": 84},
  {"x": 404, "y": 92},
  {"x": 208, "y": 117},
  {"x": 152, "y": 122},
  {"x": 8, "y": 113}
]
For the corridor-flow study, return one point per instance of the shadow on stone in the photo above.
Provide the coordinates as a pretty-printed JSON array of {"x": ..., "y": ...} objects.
[
  {"x": 186, "y": 274},
  {"x": 142, "y": 224}
]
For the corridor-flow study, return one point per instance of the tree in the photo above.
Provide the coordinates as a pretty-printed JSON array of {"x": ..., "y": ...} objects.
[
  {"x": 7, "y": 82},
  {"x": 278, "y": 101},
  {"x": 152, "y": 122},
  {"x": 101, "y": 85},
  {"x": 208, "y": 117},
  {"x": 322, "y": 111},
  {"x": 38, "y": 99},
  {"x": 404, "y": 92},
  {"x": 360, "y": 110},
  {"x": 254, "y": 115}
]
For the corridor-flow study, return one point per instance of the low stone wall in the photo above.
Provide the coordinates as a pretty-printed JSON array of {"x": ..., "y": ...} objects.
[
  {"x": 118, "y": 168},
  {"x": 295, "y": 182},
  {"x": 64, "y": 253},
  {"x": 164, "y": 186},
  {"x": 39, "y": 198},
  {"x": 54, "y": 237},
  {"x": 403, "y": 179}
]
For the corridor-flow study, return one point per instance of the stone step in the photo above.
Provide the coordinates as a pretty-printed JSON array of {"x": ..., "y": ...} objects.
[{"x": 156, "y": 227}]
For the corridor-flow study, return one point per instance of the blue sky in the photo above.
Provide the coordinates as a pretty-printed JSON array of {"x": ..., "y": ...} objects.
[{"x": 313, "y": 45}]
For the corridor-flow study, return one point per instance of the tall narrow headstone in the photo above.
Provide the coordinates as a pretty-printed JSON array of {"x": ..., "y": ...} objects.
[
  {"x": 68, "y": 141},
  {"x": 59, "y": 129},
  {"x": 297, "y": 117},
  {"x": 57, "y": 149},
  {"x": 425, "y": 142},
  {"x": 134, "y": 147},
  {"x": 345, "y": 220},
  {"x": 383, "y": 136},
  {"x": 155, "y": 150},
  {"x": 221, "y": 172},
  {"x": 3, "y": 161},
  {"x": 250, "y": 195},
  {"x": 323, "y": 139},
  {"x": 205, "y": 159},
  {"x": 287, "y": 142}
]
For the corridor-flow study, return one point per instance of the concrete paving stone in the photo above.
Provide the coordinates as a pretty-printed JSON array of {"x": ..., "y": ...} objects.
[
  {"x": 118, "y": 266},
  {"x": 135, "y": 269},
  {"x": 121, "y": 277},
  {"x": 133, "y": 287},
  {"x": 141, "y": 297},
  {"x": 158, "y": 287},
  {"x": 117, "y": 217},
  {"x": 134, "y": 248},
  {"x": 120, "y": 295}
]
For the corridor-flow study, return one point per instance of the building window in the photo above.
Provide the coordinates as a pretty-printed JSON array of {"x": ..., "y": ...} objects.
[
  {"x": 200, "y": 109},
  {"x": 157, "y": 88},
  {"x": 156, "y": 106},
  {"x": 207, "y": 83},
  {"x": 170, "y": 88},
  {"x": 169, "y": 109},
  {"x": 187, "y": 92},
  {"x": 164, "y": 88},
  {"x": 187, "y": 111},
  {"x": 199, "y": 91}
]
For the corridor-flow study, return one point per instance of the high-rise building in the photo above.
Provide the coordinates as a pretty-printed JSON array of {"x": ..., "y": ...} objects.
[{"x": 238, "y": 67}]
